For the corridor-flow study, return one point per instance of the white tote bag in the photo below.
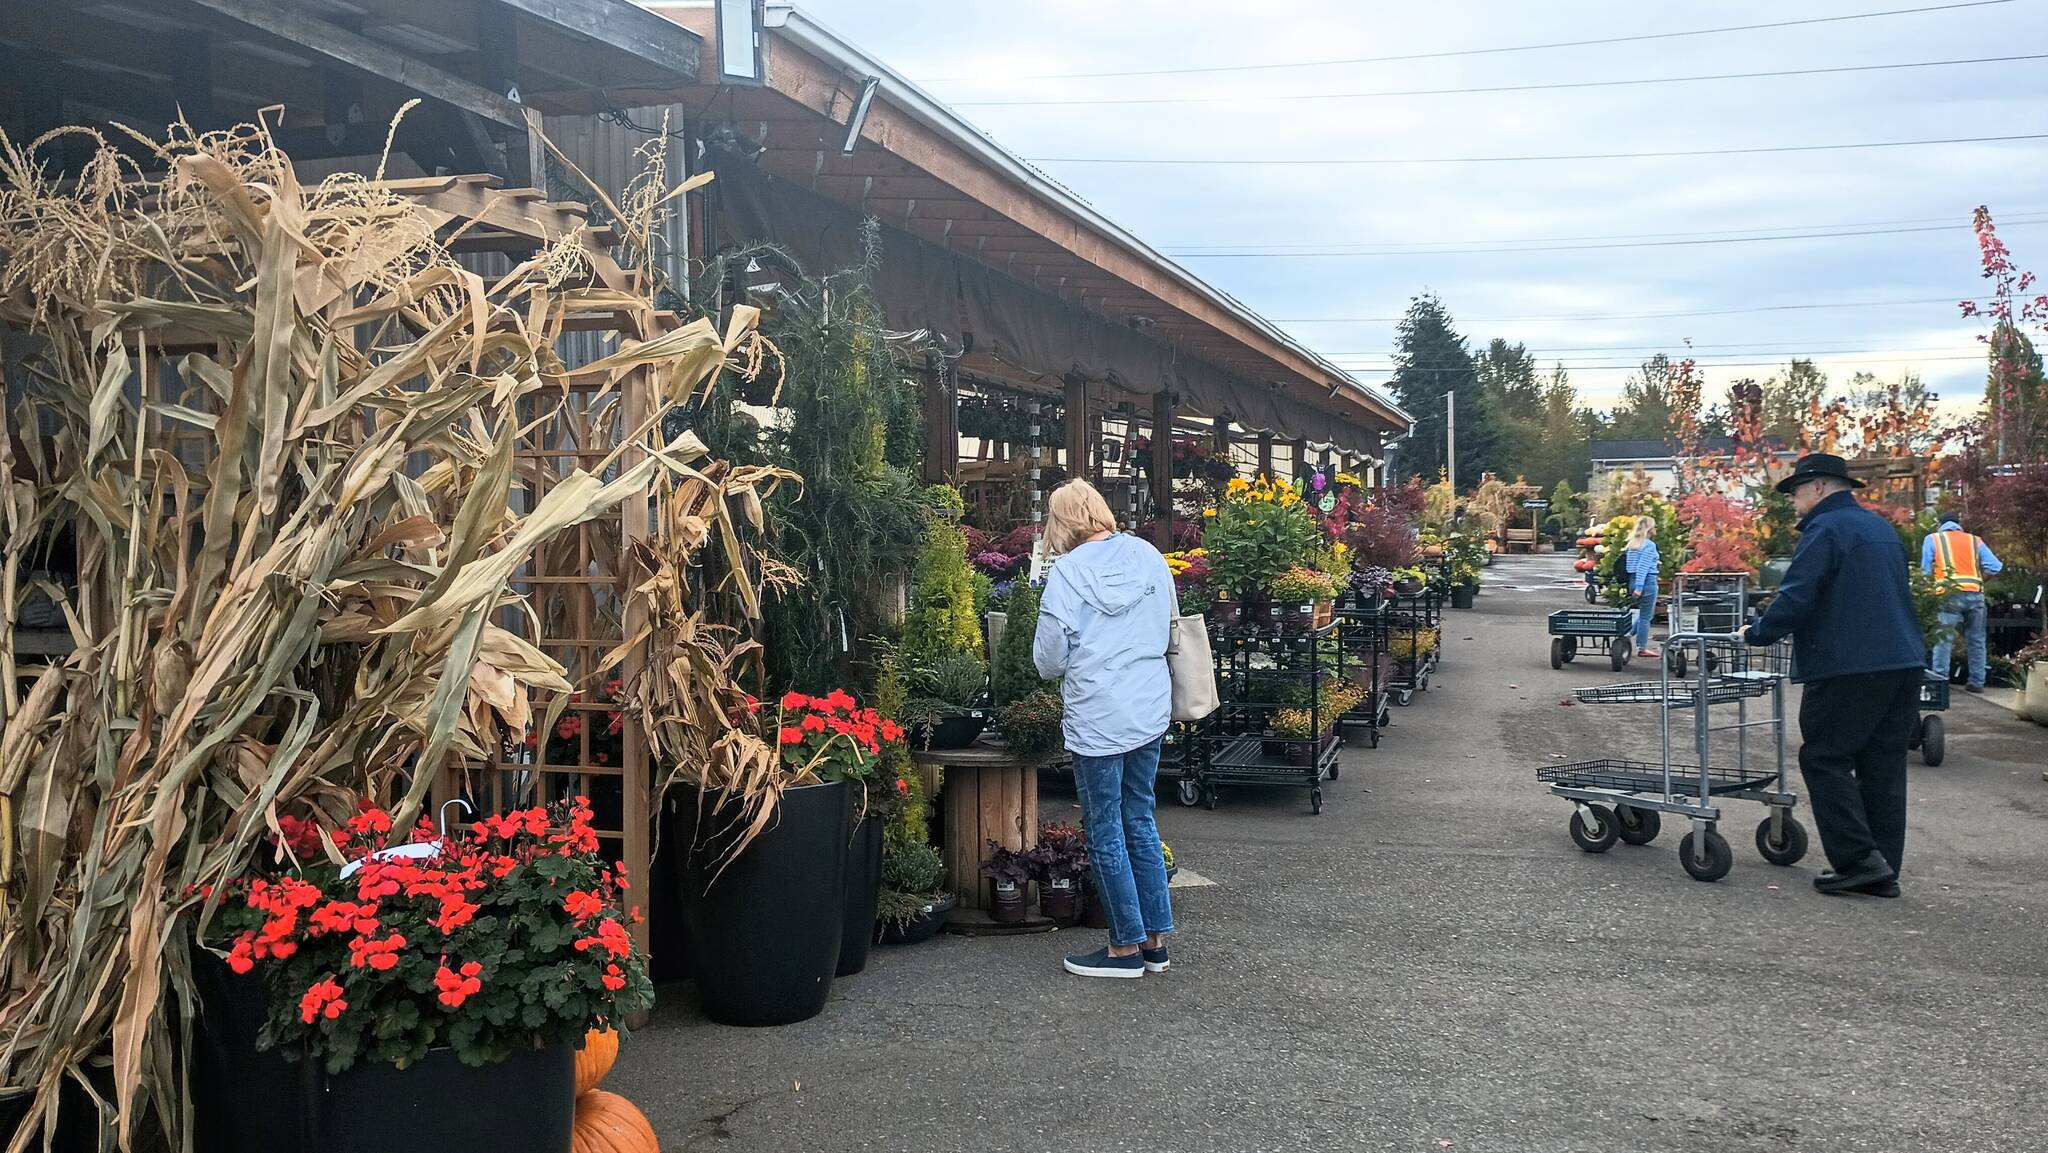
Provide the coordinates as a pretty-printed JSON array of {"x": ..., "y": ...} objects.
[{"x": 1192, "y": 669}]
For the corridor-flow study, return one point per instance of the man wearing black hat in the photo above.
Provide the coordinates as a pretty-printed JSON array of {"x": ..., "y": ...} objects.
[{"x": 1858, "y": 650}]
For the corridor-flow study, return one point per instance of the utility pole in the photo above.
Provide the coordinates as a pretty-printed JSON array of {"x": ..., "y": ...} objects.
[{"x": 1451, "y": 438}]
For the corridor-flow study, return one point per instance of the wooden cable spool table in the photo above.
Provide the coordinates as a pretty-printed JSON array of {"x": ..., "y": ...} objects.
[{"x": 990, "y": 795}]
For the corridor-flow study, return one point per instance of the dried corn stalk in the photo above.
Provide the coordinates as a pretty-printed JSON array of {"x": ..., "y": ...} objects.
[{"x": 279, "y": 424}]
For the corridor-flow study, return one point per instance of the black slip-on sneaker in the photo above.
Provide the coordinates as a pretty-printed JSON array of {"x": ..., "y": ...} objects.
[{"x": 1101, "y": 964}]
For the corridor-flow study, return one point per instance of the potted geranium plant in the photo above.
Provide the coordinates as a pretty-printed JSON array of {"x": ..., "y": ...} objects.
[
  {"x": 441, "y": 985},
  {"x": 1059, "y": 861},
  {"x": 765, "y": 889},
  {"x": 1009, "y": 873}
]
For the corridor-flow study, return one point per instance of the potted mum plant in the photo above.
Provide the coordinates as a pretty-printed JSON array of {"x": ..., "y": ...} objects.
[
  {"x": 1307, "y": 732},
  {"x": 1303, "y": 598},
  {"x": 1256, "y": 532},
  {"x": 1009, "y": 873},
  {"x": 1059, "y": 862},
  {"x": 440, "y": 986}
]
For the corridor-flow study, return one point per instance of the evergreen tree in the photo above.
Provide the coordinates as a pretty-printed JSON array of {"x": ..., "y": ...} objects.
[
  {"x": 1432, "y": 360},
  {"x": 1507, "y": 374},
  {"x": 1563, "y": 434},
  {"x": 2016, "y": 416}
]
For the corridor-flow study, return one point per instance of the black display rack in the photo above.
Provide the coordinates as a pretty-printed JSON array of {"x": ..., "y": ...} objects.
[
  {"x": 1362, "y": 655},
  {"x": 1408, "y": 621},
  {"x": 1256, "y": 665}
]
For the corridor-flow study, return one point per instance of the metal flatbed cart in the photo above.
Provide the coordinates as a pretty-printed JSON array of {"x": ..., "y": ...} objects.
[
  {"x": 1929, "y": 736},
  {"x": 1253, "y": 662},
  {"x": 1623, "y": 800},
  {"x": 1599, "y": 628}
]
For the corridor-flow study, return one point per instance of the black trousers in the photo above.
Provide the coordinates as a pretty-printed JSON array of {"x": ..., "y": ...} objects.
[{"x": 1854, "y": 731}]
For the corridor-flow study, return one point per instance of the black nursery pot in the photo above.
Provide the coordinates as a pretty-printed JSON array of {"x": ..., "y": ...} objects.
[
  {"x": 242, "y": 1098},
  {"x": 863, "y": 895},
  {"x": 918, "y": 929},
  {"x": 1461, "y": 596},
  {"x": 764, "y": 927},
  {"x": 1006, "y": 907},
  {"x": 524, "y": 1104},
  {"x": 1057, "y": 903}
]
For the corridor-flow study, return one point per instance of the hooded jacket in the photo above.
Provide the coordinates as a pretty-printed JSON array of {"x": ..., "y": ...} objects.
[
  {"x": 1845, "y": 601},
  {"x": 1104, "y": 622}
]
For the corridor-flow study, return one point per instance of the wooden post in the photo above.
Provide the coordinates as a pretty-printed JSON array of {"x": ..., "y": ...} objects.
[
  {"x": 1298, "y": 447},
  {"x": 1220, "y": 438},
  {"x": 1162, "y": 469},
  {"x": 1076, "y": 405},
  {"x": 1266, "y": 454},
  {"x": 941, "y": 425}
]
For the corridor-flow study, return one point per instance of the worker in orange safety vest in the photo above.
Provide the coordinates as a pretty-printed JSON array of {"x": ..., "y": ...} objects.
[{"x": 1959, "y": 561}]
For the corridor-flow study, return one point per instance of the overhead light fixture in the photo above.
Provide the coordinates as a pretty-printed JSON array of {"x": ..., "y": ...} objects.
[
  {"x": 855, "y": 122},
  {"x": 739, "y": 24}
]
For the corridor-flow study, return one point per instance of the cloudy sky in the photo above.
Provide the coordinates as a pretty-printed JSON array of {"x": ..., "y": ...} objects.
[{"x": 1334, "y": 252}]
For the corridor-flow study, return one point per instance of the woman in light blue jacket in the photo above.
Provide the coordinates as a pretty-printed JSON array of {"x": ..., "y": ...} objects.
[{"x": 1103, "y": 625}]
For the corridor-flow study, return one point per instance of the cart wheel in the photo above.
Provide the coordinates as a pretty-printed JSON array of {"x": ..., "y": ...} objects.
[
  {"x": 1617, "y": 654},
  {"x": 1422, "y": 683},
  {"x": 1209, "y": 797},
  {"x": 1785, "y": 851},
  {"x": 1333, "y": 770},
  {"x": 1591, "y": 596},
  {"x": 1403, "y": 696},
  {"x": 1557, "y": 652},
  {"x": 1637, "y": 826},
  {"x": 1601, "y": 838},
  {"x": 1571, "y": 649},
  {"x": 1189, "y": 790},
  {"x": 1315, "y": 799},
  {"x": 1676, "y": 659},
  {"x": 1374, "y": 738},
  {"x": 1719, "y": 857},
  {"x": 1933, "y": 741}
]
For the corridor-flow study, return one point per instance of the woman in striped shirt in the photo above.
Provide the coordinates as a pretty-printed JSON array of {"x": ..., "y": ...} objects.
[{"x": 1643, "y": 562}]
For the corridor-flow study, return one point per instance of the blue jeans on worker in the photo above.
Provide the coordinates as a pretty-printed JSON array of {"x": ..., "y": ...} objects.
[
  {"x": 1125, "y": 865},
  {"x": 1966, "y": 609},
  {"x": 1645, "y": 610}
]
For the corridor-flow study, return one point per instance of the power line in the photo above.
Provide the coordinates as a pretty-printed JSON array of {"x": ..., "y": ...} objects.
[
  {"x": 1495, "y": 88},
  {"x": 1949, "y": 218},
  {"x": 1485, "y": 51},
  {"x": 1631, "y": 364},
  {"x": 1301, "y": 161},
  {"x": 1634, "y": 315},
  {"x": 1189, "y": 255},
  {"x": 1744, "y": 348}
]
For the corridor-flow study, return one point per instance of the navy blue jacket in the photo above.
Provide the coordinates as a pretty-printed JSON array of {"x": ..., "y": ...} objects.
[{"x": 1845, "y": 601}]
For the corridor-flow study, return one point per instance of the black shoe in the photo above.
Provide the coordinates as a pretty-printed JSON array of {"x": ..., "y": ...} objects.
[
  {"x": 1871, "y": 870},
  {"x": 1878, "y": 889},
  {"x": 1973, "y": 689}
]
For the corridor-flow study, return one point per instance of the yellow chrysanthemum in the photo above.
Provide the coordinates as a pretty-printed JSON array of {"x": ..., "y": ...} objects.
[{"x": 1208, "y": 512}]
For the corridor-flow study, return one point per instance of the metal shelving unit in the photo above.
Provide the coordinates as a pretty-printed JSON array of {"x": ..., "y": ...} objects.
[{"x": 1254, "y": 662}]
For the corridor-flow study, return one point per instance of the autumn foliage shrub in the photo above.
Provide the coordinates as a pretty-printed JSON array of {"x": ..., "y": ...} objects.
[{"x": 1722, "y": 533}]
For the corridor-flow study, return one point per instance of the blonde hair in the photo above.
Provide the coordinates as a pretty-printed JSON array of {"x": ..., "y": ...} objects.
[
  {"x": 1639, "y": 532},
  {"x": 1075, "y": 513}
]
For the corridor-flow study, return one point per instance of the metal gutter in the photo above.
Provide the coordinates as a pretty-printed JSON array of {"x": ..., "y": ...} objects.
[{"x": 818, "y": 40}]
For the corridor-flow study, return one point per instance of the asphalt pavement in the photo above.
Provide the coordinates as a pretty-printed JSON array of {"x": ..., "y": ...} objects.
[{"x": 1432, "y": 964}]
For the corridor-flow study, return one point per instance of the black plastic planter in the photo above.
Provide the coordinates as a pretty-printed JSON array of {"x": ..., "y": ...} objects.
[
  {"x": 764, "y": 926},
  {"x": 957, "y": 731},
  {"x": 918, "y": 929},
  {"x": 242, "y": 1098},
  {"x": 1461, "y": 596},
  {"x": 863, "y": 894},
  {"x": 524, "y": 1104}
]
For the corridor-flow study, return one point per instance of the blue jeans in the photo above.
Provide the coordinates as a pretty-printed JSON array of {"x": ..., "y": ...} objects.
[
  {"x": 1966, "y": 609},
  {"x": 1128, "y": 870},
  {"x": 1644, "y": 611}
]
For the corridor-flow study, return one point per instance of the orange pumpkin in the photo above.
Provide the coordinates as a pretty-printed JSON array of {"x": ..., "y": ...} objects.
[
  {"x": 600, "y": 1051},
  {"x": 608, "y": 1123}
]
